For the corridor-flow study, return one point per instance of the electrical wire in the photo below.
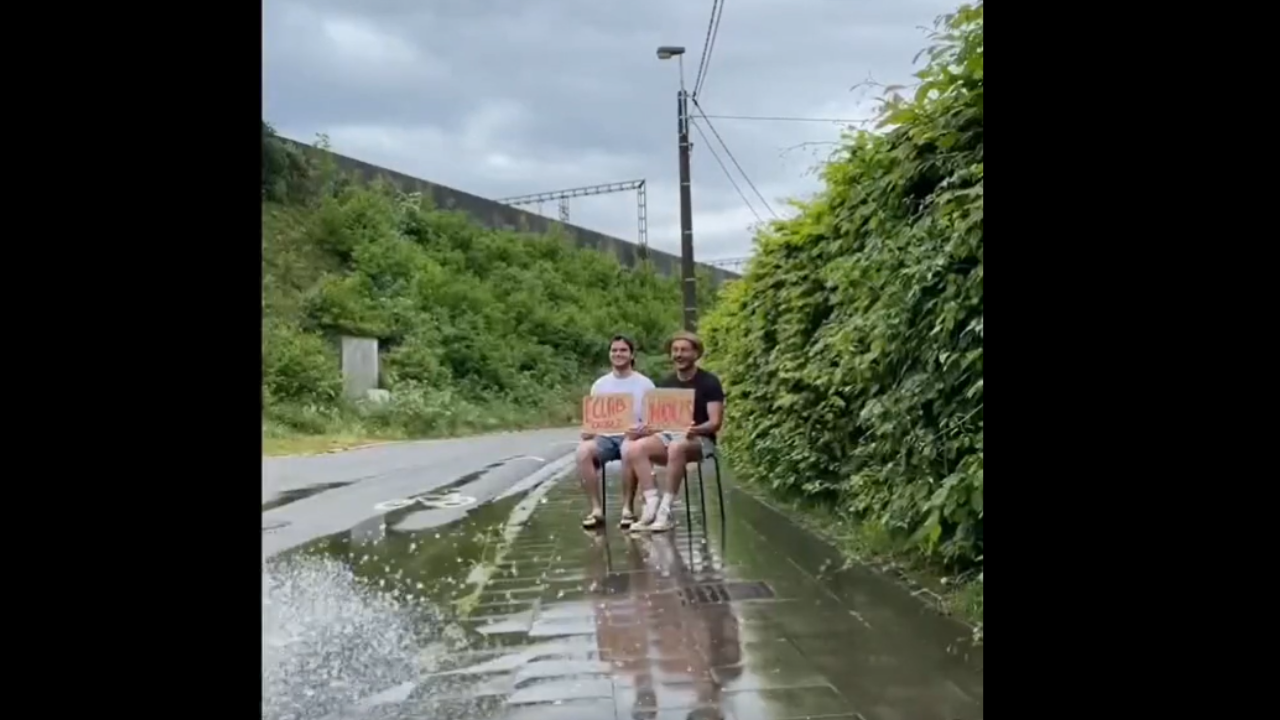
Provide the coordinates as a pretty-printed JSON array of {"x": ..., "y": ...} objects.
[
  {"x": 727, "y": 174},
  {"x": 775, "y": 118},
  {"x": 732, "y": 159},
  {"x": 714, "y": 34},
  {"x": 708, "y": 45}
]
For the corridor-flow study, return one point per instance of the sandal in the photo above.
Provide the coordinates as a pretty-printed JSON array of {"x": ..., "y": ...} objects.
[
  {"x": 592, "y": 521},
  {"x": 628, "y": 519}
]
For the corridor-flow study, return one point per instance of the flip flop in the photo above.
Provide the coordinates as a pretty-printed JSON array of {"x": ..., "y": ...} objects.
[
  {"x": 628, "y": 519},
  {"x": 591, "y": 522}
]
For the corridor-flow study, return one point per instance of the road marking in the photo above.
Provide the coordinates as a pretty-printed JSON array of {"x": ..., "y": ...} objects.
[
  {"x": 445, "y": 501},
  {"x": 452, "y": 500}
]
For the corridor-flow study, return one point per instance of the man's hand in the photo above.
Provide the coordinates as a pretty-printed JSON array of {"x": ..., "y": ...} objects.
[
  {"x": 587, "y": 436},
  {"x": 639, "y": 431},
  {"x": 693, "y": 431}
]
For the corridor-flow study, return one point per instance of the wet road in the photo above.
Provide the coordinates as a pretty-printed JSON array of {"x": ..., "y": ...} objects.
[
  {"x": 306, "y": 498},
  {"x": 506, "y": 609}
]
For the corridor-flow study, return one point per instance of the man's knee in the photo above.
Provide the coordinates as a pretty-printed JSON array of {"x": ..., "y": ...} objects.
[
  {"x": 632, "y": 449},
  {"x": 683, "y": 450},
  {"x": 642, "y": 448}
]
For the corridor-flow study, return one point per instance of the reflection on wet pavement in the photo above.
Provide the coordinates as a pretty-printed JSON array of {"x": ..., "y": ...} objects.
[
  {"x": 285, "y": 497},
  {"x": 733, "y": 622}
]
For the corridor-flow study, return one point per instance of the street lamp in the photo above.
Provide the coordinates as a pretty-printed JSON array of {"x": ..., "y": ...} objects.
[{"x": 688, "y": 277}]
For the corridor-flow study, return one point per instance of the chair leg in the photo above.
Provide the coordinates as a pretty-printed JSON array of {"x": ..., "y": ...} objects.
[
  {"x": 702, "y": 497},
  {"x": 688, "y": 512},
  {"x": 604, "y": 497},
  {"x": 719, "y": 489}
]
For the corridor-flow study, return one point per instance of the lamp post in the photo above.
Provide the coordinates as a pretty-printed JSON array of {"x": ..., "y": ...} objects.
[{"x": 689, "y": 281}]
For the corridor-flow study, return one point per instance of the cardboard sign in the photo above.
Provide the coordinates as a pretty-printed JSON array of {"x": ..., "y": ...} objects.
[
  {"x": 668, "y": 409},
  {"x": 608, "y": 413}
]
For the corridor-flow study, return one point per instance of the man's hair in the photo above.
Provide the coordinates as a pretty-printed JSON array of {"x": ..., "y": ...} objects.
[
  {"x": 687, "y": 337},
  {"x": 630, "y": 346}
]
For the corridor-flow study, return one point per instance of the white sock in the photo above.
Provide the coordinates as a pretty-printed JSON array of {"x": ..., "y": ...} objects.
[
  {"x": 664, "y": 508},
  {"x": 650, "y": 506}
]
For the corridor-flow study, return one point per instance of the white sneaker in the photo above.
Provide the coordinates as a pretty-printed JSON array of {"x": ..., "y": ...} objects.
[
  {"x": 661, "y": 523},
  {"x": 647, "y": 519}
]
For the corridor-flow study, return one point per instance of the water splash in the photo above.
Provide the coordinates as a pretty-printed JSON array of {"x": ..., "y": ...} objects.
[{"x": 331, "y": 643}]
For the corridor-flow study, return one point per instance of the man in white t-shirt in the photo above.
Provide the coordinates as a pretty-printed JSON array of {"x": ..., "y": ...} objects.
[{"x": 595, "y": 450}]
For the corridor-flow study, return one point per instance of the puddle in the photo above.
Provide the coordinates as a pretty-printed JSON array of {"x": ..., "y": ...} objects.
[
  {"x": 353, "y": 622},
  {"x": 296, "y": 494},
  {"x": 705, "y": 623}
]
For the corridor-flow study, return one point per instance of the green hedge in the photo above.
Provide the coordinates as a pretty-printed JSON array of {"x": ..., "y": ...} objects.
[{"x": 852, "y": 348}]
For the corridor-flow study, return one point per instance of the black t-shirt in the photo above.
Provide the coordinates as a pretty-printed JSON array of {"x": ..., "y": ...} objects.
[{"x": 706, "y": 389}]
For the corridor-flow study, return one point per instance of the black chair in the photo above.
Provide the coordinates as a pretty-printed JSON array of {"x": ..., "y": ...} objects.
[
  {"x": 702, "y": 492},
  {"x": 688, "y": 512}
]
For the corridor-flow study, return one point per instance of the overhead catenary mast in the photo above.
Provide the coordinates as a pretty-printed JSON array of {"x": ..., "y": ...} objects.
[{"x": 563, "y": 197}]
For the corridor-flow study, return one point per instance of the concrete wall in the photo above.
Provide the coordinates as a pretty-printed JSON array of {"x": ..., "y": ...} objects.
[
  {"x": 359, "y": 366},
  {"x": 496, "y": 215}
]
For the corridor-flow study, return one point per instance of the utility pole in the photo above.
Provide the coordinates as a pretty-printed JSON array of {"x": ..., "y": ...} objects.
[{"x": 688, "y": 275}]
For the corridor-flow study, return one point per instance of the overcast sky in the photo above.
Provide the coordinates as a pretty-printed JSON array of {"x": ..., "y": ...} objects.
[{"x": 511, "y": 97}]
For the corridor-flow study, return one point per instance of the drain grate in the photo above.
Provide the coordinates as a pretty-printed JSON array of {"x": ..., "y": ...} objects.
[{"x": 711, "y": 593}]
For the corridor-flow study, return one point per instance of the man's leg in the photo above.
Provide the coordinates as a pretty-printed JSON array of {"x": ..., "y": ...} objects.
[
  {"x": 638, "y": 458},
  {"x": 680, "y": 451},
  {"x": 629, "y": 483},
  {"x": 588, "y": 455}
]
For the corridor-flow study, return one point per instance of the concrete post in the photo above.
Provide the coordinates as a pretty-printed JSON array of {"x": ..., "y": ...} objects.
[{"x": 359, "y": 366}]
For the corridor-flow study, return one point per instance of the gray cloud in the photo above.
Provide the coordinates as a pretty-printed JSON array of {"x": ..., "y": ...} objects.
[{"x": 508, "y": 97}]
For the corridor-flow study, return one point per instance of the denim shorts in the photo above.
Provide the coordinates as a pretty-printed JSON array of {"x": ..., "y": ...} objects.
[{"x": 609, "y": 448}]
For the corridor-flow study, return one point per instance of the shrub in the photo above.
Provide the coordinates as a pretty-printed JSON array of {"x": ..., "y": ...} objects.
[
  {"x": 852, "y": 347},
  {"x": 297, "y": 367},
  {"x": 479, "y": 328}
]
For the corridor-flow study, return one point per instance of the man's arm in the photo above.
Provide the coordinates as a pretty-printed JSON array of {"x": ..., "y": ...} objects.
[{"x": 715, "y": 410}]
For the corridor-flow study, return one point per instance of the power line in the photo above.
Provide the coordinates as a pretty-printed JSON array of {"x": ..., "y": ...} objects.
[
  {"x": 775, "y": 118},
  {"x": 713, "y": 31},
  {"x": 727, "y": 174},
  {"x": 734, "y": 160},
  {"x": 706, "y": 45}
]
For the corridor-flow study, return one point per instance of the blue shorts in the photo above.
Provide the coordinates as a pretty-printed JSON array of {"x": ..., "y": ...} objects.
[{"x": 609, "y": 448}]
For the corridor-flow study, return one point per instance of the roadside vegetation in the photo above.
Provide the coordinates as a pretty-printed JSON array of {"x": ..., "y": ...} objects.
[
  {"x": 852, "y": 348},
  {"x": 479, "y": 329}
]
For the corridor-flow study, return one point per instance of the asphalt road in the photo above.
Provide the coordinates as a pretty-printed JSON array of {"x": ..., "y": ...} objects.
[{"x": 305, "y": 498}]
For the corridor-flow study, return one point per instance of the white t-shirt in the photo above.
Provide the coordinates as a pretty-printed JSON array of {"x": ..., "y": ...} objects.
[{"x": 635, "y": 383}]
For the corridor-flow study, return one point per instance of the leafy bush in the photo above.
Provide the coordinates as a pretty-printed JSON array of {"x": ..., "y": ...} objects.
[
  {"x": 297, "y": 367},
  {"x": 479, "y": 328},
  {"x": 852, "y": 347}
]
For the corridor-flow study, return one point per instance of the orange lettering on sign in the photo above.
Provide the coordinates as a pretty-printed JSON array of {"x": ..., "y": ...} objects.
[
  {"x": 668, "y": 409},
  {"x": 611, "y": 413}
]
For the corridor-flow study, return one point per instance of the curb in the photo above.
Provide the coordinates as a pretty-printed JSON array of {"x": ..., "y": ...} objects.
[
  {"x": 335, "y": 451},
  {"x": 539, "y": 483},
  {"x": 365, "y": 446}
]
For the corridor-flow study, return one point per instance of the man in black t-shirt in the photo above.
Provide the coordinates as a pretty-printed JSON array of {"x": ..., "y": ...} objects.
[{"x": 675, "y": 450}]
